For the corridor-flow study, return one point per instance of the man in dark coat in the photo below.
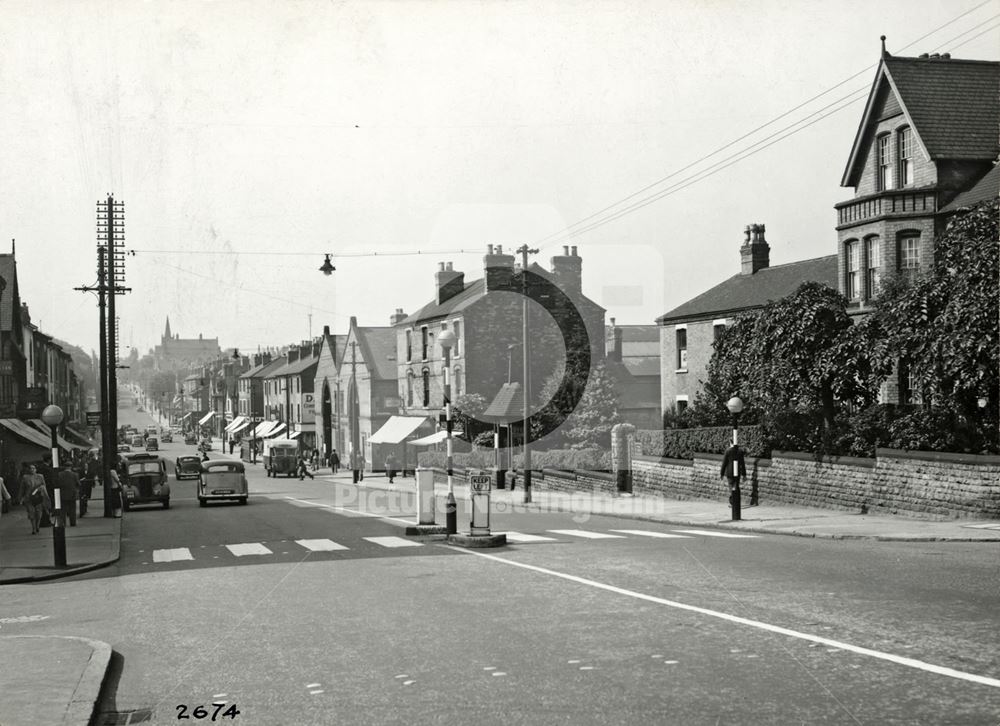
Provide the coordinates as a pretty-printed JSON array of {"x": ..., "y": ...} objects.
[
  {"x": 69, "y": 491},
  {"x": 734, "y": 469}
]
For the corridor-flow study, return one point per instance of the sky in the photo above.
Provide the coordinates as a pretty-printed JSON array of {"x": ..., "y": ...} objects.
[{"x": 249, "y": 139}]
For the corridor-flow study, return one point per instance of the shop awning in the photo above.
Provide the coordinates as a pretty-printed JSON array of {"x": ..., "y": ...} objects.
[
  {"x": 185, "y": 415},
  {"x": 294, "y": 434},
  {"x": 262, "y": 428},
  {"x": 28, "y": 433},
  {"x": 204, "y": 419},
  {"x": 436, "y": 438},
  {"x": 44, "y": 429},
  {"x": 235, "y": 423},
  {"x": 275, "y": 431},
  {"x": 396, "y": 429},
  {"x": 239, "y": 427}
]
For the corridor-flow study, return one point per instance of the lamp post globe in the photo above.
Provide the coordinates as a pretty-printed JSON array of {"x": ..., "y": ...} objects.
[
  {"x": 446, "y": 339},
  {"x": 735, "y": 405},
  {"x": 52, "y": 415}
]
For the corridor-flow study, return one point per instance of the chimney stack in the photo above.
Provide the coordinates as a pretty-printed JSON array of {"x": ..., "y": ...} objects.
[
  {"x": 397, "y": 317},
  {"x": 292, "y": 354},
  {"x": 448, "y": 282},
  {"x": 568, "y": 270},
  {"x": 755, "y": 254},
  {"x": 498, "y": 268}
]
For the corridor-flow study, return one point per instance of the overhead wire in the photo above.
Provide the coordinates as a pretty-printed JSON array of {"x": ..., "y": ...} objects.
[{"x": 581, "y": 226}]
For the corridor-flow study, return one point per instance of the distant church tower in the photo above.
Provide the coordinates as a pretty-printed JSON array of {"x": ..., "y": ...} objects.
[{"x": 166, "y": 333}]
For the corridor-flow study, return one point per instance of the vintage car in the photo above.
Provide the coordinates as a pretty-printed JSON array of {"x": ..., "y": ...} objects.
[
  {"x": 167, "y": 437},
  {"x": 281, "y": 456},
  {"x": 190, "y": 438},
  {"x": 222, "y": 479},
  {"x": 187, "y": 467},
  {"x": 152, "y": 443},
  {"x": 124, "y": 447},
  {"x": 144, "y": 480},
  {"x": 138, "y": 442}
]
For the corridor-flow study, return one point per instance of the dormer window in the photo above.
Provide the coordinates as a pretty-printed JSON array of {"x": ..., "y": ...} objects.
[
  {"x": 884, "y": 162},
  {"x": 905, "y": 155}
]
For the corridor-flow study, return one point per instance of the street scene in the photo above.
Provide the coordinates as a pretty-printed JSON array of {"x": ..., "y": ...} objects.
[{"x": 437, "y": 363}]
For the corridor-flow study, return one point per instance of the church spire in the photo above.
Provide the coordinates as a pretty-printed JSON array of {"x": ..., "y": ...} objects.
[{"x": 166, "y": 333}]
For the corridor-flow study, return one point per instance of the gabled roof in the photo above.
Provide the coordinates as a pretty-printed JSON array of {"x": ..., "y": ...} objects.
[
  {"x": 378, "y": 348},
  {"x": 265, "y": 370},
  {"x": 507, "y": 406},
  {"x": 647, "y": 365},
  {"x": 743, "y": 292},
  {"x": 951, "y": 104},
  {"x": 986, "y": 188},
  {"x": 296, "y": 367},
  {"x": 631, "y": 396}
]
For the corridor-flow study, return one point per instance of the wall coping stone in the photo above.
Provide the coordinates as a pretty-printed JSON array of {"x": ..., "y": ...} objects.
[
  {"x": 663, "y": 460},
  {"x": 952, "y": 458},
  {"x": 863, "y": 462}
]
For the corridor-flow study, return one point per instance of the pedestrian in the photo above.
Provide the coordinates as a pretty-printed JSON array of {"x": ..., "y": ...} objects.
[
  {"x": 303, "y": 468},
  {"x": 734, "y": 469},
  {"x": 361, "y": 466},
  {"x": 68, "y": 484},
  {"x": 5, "y": 497},
  {"x": 35, "y": 497},
  {"x": 390, "y": 466},
  {"x": 334, "y": 461},
  {"x": 232, "y": 443}
]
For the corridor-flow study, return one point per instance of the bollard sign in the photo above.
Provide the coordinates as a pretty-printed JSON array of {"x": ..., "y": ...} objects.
[{"x": 479, "y": 489}]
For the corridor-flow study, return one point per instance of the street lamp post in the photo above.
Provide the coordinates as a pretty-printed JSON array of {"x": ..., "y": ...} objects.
[
  {"x": 446, "y": 340},
  {"x": 524, "y": 251},
  {"x": 52, "y": 415},
  {"x": 735, "y": 406}
]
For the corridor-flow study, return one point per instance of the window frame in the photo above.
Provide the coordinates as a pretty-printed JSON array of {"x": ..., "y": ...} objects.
[
  {"x": 425, "y": 374},
  {"x": 852, "y": 269},
  {"x": 883, "y": 161},
  {"x": 904, "y": 156},
  {"x": 872, "y": 272},
  {"x": 680, "y": 336},
  {"x": 909, "y": 271}
]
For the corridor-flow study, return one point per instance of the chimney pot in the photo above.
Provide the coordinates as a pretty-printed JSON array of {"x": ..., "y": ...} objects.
[
  {"x": 489, "y": 249},
  {"x": 612, "y": 322},
  {"x": 566, "y": 250},
  {"x": 499, "y": 249},
  {"x": 441, "y": 266},
  {"x": 573, "y": 251},
  {"x": 448, "y": 266}
]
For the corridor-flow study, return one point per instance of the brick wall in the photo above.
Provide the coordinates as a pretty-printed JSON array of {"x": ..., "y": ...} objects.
[{"x": 917, "y": 484}]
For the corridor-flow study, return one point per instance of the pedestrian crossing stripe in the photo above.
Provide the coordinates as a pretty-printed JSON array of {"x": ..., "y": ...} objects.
[
  {"x": 651, "y": 533},
  {"x": 586, "y": 534},
  {"x": 521, "y": 537},
  {"x": 320, "y": 545},
  {"x": 173, "y": 555},
  {"x": 248, "y": 548},
  {"x": 710, "y": 533},
  {"x": 392, "y": 541}
]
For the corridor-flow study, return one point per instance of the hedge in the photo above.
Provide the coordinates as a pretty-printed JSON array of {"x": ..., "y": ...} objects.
[
  {"x": 684, "y": 443},
  {"x": 568, "y": 459}
]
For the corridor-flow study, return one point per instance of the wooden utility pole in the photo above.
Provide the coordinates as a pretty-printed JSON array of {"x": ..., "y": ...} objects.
[{"x": 524, "y": 251}]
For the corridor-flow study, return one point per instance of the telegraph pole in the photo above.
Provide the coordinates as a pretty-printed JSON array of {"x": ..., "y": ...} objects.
[{"x": 524, "y": 251}]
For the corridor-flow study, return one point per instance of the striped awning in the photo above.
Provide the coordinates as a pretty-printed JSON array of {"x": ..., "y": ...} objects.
[
  {"x": 204, "y": 419},
  {"x": 235, "y": 424}
]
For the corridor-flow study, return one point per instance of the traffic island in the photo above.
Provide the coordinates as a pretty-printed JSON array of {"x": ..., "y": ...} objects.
[
  {"x": 477, "y": 541},
  {"x": 417, "y": 530}
]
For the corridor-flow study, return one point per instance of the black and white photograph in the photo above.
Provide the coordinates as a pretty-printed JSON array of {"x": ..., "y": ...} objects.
[{"x": 500, "y": 362}]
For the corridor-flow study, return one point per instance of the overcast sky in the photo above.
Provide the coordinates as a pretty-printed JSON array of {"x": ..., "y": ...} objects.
[{"x": 247, "y": 139}]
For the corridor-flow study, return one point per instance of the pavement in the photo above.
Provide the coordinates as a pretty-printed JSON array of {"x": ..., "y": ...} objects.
[{"x": 74, "y": 669}]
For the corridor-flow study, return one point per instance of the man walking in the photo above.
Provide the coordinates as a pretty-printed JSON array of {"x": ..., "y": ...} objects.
[
  {"x": 734, "y": 469},
  {"x": 69, "y": 491}
]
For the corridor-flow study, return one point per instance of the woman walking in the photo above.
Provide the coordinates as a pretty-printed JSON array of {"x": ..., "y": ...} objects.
[{"x": 35, "y": 497}]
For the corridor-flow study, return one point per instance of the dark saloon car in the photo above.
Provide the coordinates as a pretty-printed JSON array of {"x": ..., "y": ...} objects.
[
  {"x": 187, "y": 467},
  {"x": 144, "y": 480}
]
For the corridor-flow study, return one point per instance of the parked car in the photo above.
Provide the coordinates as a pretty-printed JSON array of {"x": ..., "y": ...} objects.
[
  {"x": 152, "y": 443},
  {"x": 187, "y": 467},
  {"x": 144, "y": 480},
  {"x": 222, "y": 479},
  {"x": 167, "y": 437},
  {"x": 124, "y": 447},
  {"x": 190, "y": 439}
]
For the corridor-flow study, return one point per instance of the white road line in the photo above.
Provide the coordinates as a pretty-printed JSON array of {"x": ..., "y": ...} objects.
[
  {"x": 713, "y": 533},
  {"x": 248, "y": 548},
  {"x": 320, "y": 545},
  {"x": 519, "y": 537},
  {"x": 819, "y": 640},
  {"x": 584, "y": 533},
  {"x": 355, "y": 512},
  {"x": 651, "y": 533},
  {"x": 175, "y": 555},
  {"x": 393, "y": 542}
]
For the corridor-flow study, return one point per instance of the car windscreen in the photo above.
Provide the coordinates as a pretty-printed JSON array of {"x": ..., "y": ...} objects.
[{"x": 144, "y": 467}]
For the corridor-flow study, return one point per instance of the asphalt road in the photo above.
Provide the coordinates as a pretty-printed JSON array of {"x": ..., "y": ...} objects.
[{"x": 303, "y": 608}]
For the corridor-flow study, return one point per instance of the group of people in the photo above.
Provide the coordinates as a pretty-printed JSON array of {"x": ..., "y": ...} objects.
[{"x": 36, "y": 485}]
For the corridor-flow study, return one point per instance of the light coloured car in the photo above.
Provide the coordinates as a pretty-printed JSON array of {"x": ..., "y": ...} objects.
[{"x": 222, "y": 479}]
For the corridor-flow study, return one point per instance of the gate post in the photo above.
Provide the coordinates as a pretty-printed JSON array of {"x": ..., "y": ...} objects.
[{"x": 622, "y": 439}]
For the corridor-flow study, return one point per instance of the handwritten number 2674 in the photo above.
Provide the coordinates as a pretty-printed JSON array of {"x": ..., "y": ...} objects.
[{"x": 200, "y": 712}]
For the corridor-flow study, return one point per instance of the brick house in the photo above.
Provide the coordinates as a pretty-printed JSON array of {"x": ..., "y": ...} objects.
[
  {"x": 485, "y": 316},
  {"x": 688, "y": 332},
  {"x": 331, "y": 353},
  {"x": 288, "y": 394},
  {"x": 926, "y": 144}
]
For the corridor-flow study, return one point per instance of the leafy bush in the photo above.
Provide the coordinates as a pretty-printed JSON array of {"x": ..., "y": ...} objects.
[
  {"x": 569, "y": 459},
  {"x": 685, "y": 443}
]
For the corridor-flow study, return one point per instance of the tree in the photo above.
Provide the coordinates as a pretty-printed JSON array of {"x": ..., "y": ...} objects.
[
  {"x": 589, "y": 424},
  {"x": 793, "y": 362},
  {"x": 466, "y": 410},
  {"x": 944, "y": 325}
]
